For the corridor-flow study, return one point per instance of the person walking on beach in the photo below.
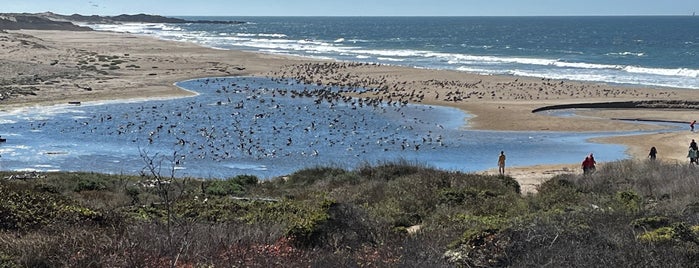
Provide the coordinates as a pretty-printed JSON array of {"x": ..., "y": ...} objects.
[
  {"x": 501, "y": 163},
  {"x": 691, "y": 125},
  {"x": 693, "y": 155},
  {"x": 652, "y": 153},
  {"x": 693, "y": 144}
]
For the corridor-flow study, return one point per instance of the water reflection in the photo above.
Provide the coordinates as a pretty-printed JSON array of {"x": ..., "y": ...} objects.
[{"x": 268, "y": 128}]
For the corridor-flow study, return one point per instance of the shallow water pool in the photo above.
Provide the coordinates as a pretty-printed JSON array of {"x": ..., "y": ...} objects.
[{"x": 267, "y": 128}]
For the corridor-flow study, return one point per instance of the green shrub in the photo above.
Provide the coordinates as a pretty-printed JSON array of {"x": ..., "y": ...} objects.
[
  {"x": 245, "y": 180},
  {"x": 628, "y": 200},
  {"x": 651, "y": 222},
  {"x": 311, "y": 175},
  {"x": 26, "y": 210},
  {"x": 213, "y": 209},
  {"x": 677, "y": 231},
  {"x": 133, "y": 192},
  {"x": 303, "y": 219},
  {"x": 6, "y": 261},
  {"x": 556, "y": 193},
  {"x": 223, "y": 187},
  {"x": 90, "y": 184},
  {"x": 663, "y": 234},
  {"x": 511, "y": 183},
  {"x": 47, "y": 188},
  {"x": 451, "y": 197},
  {"x": 389, "y": 171}
]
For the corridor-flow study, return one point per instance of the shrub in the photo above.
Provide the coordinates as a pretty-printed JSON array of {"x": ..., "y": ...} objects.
[
  {"x": 511, "y": 183},
  {"x": 302, "y": 218},
  {"x": 245, "y": 180},
  {"x": 26, "y": 210},
  {"x": 651, "y": 222},
  {"x": 223, "y": 187},
  {"x": 663, "y": 234},
  {"x": 133, "y": 192},
  {"x": 558, "y": 192},
  {"x": 311, "y": 175},
  {"x": 628, "y": 200},
  {"x": 90, "y": 184},
  {"x": 389, "y": 171}
]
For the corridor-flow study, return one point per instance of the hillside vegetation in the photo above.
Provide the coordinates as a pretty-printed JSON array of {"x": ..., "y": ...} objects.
[{"x": 627, "y": 214}]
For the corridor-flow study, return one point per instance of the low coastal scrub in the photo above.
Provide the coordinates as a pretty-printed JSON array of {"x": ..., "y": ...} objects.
[{"x": 628, "y": 213}]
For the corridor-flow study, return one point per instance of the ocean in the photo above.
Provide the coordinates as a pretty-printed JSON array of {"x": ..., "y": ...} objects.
[
  {"x": 257, "y": 126},
  {"x": 645, "y": 51}
]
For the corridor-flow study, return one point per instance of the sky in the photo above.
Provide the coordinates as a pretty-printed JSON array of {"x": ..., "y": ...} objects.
[{"x": 356, "y": 7}]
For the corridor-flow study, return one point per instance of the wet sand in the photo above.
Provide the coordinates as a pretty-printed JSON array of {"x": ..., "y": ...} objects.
[{"x": 49, "y": 67}]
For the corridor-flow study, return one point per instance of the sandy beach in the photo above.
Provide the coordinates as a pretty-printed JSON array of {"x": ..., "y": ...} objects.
[{"x": 50, "y": 67}]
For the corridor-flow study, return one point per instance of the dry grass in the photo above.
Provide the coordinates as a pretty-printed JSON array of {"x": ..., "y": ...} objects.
[{"x": 626, "y": 214}]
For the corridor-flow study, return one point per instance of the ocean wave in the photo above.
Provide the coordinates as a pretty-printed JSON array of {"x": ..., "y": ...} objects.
[
  {"x": 667, "y": 72},
  {"x": 342, "y": 49},
  {"x": 626, "y": 53},
  {"x": 608, "y": 77},
  {"x": 136, "y": 28},
  {"x": 475, "y": 70},
  {"x": 274, "y": 35},
  {"x": 582, "y": 65},
  {"x": 389, "y": 59}
]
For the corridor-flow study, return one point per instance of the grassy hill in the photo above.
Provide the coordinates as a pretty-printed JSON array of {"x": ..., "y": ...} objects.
[{"x": 640, "y": 214}]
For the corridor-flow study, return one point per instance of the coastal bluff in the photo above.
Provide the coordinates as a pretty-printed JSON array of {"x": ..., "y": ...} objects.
[
  {"x": 53, "y": 21},
  {"x": 11, "y": 21}
]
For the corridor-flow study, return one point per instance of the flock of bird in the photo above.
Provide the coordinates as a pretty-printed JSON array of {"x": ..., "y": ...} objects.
[{"x": 260, "y": 118}]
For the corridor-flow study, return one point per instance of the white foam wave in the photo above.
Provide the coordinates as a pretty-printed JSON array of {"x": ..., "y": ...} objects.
[
  {"x": 682, "y": 72},
  {"x": 475, "y": 70},
  {"x": 279, "y": 43},
  {"x": 608, "y": 77},
  {"x": 275, "y": 35},
  {"x": 582, "y": 65},
  {"x": 667, "y": 72},
  {"x": 136, "y": 28},
  {"x": 389, "y": 59},
  {"x": 44, "y": 166},
  {"x": 626, "y": 53}
]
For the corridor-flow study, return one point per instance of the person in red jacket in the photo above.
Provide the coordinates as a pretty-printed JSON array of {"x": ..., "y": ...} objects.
[{"x": 588, "y": 165}]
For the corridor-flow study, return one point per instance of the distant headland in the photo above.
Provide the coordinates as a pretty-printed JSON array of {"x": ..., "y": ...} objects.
[{"x": 53, "y": 21}]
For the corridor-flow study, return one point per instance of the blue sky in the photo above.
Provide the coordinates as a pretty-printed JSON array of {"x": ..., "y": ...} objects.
[{"x": 357, "y": 7}]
